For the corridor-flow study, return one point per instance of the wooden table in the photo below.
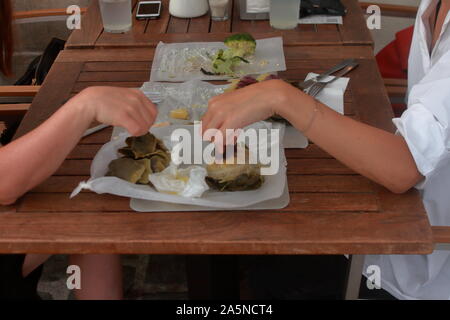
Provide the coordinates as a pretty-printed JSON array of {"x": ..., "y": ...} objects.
[
  {"x": 171, "y": 29},
  {"x": 332, "y": 210}
]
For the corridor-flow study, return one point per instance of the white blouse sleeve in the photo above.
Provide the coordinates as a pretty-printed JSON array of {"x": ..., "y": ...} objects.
[{"x": 425, "y": 125}]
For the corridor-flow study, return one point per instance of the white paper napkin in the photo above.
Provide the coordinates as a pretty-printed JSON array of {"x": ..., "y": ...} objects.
[
  {"x": 321, "y": 19},
  {"x": 332, "y": 96},
  {"x": 258, "y": 6}
]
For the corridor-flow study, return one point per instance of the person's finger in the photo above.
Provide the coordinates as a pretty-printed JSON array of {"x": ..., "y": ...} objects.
[
  {"x": 215, "y": 123},
  {"x": 219, "y": 142},
  {"x": 138, "y": 119},
  {"x": 148, "y": 118},
  {"x": 148, "y": 104},
  {"x": 138, "y": 108},
  {"x": 131, "y": 126},
  {"x": 210, "y": 112},
  {"x": 229, "y": 133},
  {"x": 206, "y": 119},
  {"x": 141, "y": 118}
]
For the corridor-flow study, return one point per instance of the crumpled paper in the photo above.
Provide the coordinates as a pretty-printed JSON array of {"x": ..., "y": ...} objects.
[{"x": 189, "y": 182}]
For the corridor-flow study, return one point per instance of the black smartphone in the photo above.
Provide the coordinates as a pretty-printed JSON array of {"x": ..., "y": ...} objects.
[{"x": 148, "y": 10}]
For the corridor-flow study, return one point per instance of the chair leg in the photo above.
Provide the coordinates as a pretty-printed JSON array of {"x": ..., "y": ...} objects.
[{"x": 354, "y": 275}]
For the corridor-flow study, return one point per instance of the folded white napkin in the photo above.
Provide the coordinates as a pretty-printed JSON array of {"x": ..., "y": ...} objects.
[
  {"x": 332, "y": 96},
  {"x": 258, "y": 6}
]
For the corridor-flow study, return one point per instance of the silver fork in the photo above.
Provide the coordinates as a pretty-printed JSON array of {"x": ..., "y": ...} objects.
[
  {"x": 316, "y": 88},
  {"x": 309, "y": 83}
]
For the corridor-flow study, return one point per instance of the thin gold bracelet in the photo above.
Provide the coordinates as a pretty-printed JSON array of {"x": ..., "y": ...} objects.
[{"x": 313, "y": 117}]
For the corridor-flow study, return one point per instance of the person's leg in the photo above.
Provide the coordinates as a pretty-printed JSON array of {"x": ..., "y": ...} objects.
[
  {"x": 32, "y": 262},
  {"x": 101, "y": 277}
]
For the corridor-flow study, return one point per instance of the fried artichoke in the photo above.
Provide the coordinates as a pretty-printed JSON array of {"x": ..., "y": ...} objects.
[
  {"x": 142, "y": 156},
  {"x": 234, "y": 177},
  {"x": 126, "y": 169}
]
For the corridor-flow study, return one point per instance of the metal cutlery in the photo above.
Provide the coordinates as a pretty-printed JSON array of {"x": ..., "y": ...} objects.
[
  {"x": 316, "y": 88},
  {"x": 95, "y": 130},
  {"x": 154, "y": 97},
  {"x": 308, "y": 83}
]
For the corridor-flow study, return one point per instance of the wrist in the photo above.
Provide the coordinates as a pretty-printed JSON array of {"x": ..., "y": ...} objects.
[
  {"x": 281, "y": 97},
  {"x": 82, "y": 103},
  {"x": 295, "y": 106}
]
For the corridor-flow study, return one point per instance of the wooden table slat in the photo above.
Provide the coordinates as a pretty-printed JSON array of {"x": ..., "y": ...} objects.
[
  {"x": 66, "y": 73},
  {"x": 213, "y": 233},
  {"x": 91, "y": 28},
  {"x": 159, "y": 26},
  {"x": 200, "y": 24},
  {"x": 304, "y": 202},
  {"x": 353, "y": 32}
]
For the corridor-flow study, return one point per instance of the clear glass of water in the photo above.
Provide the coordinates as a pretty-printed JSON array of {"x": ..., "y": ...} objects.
[
  {"x": 116, "y": 15},
  {"x": 219, "y": 9},
  {"x": 284, "y": 14}
]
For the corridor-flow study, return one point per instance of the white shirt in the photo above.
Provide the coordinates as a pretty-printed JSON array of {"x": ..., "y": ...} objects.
[{"x": 425, "y": 125}]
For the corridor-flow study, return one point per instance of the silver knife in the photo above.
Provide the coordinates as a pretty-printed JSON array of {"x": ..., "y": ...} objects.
[
  {"x": 306, "y": 84},
  {"x": 93, "y": 130}
]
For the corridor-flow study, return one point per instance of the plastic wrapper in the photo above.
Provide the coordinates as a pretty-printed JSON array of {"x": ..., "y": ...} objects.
[
  {"x": 177, "y": 62},
  {"x": 188, "y": 182},
  {"x": 192, "y": 95}
]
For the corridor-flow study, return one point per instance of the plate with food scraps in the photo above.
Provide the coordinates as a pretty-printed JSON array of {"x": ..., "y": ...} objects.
[
  {"x": 237, "y": 56},
  {"x": 143, "y": 168}
]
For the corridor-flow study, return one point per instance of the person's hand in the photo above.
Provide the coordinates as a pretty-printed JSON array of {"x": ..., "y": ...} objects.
[
  {"x": 122, "y": 107},
  {"x": 240, "y": 108}
]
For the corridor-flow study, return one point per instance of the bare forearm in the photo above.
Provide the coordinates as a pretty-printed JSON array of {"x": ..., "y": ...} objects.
[
  {"x": 28, "y": 161},
  {"x": 379, "y": 155},
  {"x": 31, "y": 159}
]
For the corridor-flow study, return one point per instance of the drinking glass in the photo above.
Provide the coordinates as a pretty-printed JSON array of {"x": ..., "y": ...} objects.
[
  {"x": 116, "y": 15},
  {"x": 284, "y": 14},
  {"x": 219, "y": 9}
]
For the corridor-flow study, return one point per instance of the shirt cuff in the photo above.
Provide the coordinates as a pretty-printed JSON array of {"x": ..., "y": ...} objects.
[{"x": 425, "y": 137}]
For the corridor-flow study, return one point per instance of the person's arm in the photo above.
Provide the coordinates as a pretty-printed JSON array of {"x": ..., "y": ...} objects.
[
  {"x": 379, "y": 155},
  {"x": 29, "y": 160}
]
